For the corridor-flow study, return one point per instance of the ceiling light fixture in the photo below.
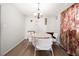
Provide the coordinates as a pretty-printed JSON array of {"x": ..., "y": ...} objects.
[{"x": 38, "y": 14}]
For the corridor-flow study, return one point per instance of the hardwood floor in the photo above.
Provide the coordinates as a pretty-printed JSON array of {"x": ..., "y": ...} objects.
[
  {"x": 43, "y": 53},
  {"x": 58, "y": 51},
  {"x": 26, "y": 49}
]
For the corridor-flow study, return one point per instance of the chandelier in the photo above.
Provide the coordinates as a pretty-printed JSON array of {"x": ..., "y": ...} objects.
[{"x": 38, "y": 14}]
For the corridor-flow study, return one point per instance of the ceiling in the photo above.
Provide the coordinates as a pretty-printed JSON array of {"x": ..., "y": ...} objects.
[{"x": 47, "y": 9}]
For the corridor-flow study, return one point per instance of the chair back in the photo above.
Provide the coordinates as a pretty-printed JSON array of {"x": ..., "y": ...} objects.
[{"x": 44, "y": 44}]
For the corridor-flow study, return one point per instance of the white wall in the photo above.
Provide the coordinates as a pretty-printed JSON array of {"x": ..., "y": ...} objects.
[
  {"x": 36, "y": 25},
  {"x": 0, "y": 30},
  {"x": 52, "y": 24},
  {"x": 12, "y": 27}
]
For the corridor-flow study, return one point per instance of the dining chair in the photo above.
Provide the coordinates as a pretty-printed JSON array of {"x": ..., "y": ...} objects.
[{"x": 43, "y": 44}]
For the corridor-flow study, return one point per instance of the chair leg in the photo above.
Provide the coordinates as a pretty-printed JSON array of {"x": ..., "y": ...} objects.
[
  {"x": 35, "y": 52},
  {"x": 52, "y": 52}
]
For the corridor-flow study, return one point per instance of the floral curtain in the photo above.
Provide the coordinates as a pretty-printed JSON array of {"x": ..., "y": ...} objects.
[{"x": 69, "y": 29}]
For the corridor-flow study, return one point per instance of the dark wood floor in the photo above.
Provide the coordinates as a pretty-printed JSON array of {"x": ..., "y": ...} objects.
[
  {"x": 25, "y": 49},
  {"x": 58, "y": 51}
]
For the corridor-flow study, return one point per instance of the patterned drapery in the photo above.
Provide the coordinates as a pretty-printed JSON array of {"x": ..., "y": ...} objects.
[{"x": 69, "y": 29}]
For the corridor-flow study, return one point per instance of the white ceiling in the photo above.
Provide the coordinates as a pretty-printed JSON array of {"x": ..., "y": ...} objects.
[{"x": 47, "y": 9}]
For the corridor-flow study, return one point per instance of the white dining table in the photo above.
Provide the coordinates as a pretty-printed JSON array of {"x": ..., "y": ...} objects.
[{"x": 42, "y": 35}]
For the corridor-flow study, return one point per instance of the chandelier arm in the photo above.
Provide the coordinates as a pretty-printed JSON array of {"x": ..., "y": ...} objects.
[{"x": 38, "y": 16}]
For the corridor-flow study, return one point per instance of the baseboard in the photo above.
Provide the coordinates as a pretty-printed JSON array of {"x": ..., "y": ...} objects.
[{"x": 11, "y": 48}]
